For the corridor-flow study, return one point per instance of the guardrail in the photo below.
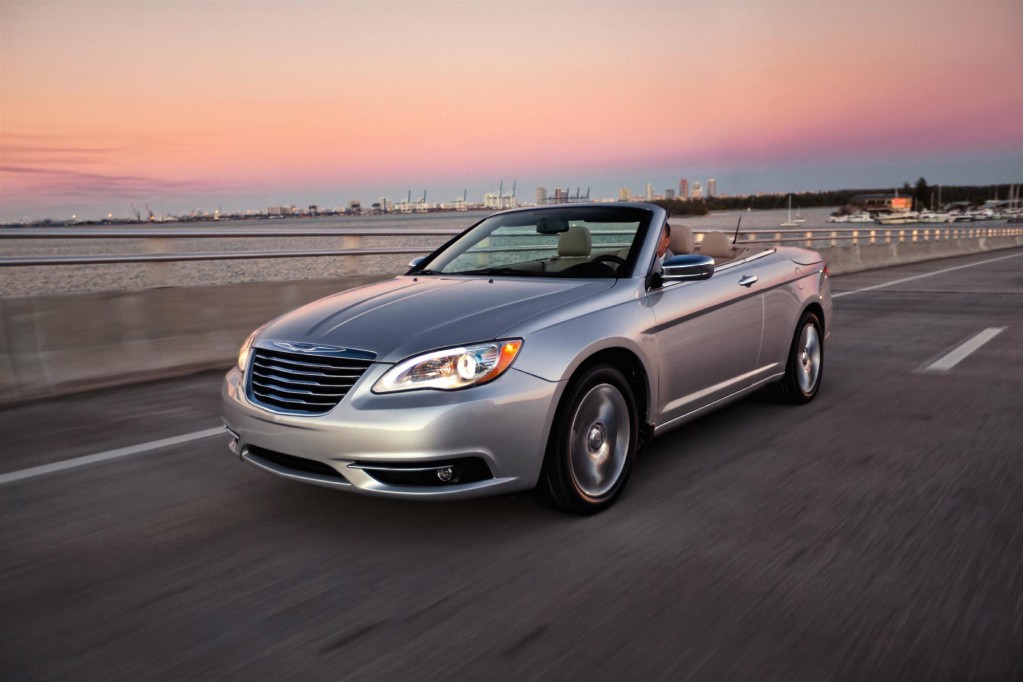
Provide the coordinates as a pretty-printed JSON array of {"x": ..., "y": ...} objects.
[
  {"x": 156, "y": 240},
  {"x": 887, "y": 235}
]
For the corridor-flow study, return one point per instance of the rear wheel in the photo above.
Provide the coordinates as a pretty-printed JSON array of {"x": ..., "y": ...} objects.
[
  {"x": 805, "y": 364},
  {"x": 593, "y": 443}
]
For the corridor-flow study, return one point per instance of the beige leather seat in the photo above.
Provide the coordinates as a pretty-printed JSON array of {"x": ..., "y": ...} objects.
[
  {"x": 681, "y": 240},
  {"x": 718, "y": 246},
  {"x": 573, "y": 248}
]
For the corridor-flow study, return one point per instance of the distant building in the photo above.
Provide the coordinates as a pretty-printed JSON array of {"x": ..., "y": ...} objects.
[
  {"x": 712, "y": 188},
  {"x": 885, "y": 203},
  {"x": 670, "y": 194},
  {"x": 697, "y": 192},
  {"x": 625, "y": 193},
  {"x": 492, "y": 200},
  {"x": 684, "y": 189},
  {"x": 542, "y": 196},
  {"x": 649, "y": 194},
  {"x": 561, "y": 195}
]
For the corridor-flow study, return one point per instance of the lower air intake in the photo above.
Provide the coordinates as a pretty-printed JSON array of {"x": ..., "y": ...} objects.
[{"x": 294, "y": 463}]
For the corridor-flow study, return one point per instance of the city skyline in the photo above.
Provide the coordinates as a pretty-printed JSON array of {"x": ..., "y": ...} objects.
[{"x": 187, "y": 106}]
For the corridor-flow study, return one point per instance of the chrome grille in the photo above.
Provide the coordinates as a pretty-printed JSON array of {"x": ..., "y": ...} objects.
[{"x": 301, "y": 383}]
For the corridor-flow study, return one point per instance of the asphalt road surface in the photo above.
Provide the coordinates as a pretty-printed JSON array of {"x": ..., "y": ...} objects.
[{"x": 873, "y": 534}]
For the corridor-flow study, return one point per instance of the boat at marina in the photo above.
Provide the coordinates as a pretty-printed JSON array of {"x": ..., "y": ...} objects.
[
  {"x": 857, "y": 217},
  {"x": 861, "y": 217},
  {"x": 790, "y": 220},
  {"x": 980, "y": 213},
  {"x": 898, "y": 218},
  {"x": 927, "y": 216}
]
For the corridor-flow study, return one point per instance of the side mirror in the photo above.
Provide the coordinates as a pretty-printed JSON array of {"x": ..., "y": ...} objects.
[
  {"x": 687, "y": 267},
  {"x": 416, "y": 261}
]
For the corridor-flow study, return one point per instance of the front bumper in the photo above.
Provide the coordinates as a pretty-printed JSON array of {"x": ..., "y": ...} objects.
[{"x": 503, "y": 424}]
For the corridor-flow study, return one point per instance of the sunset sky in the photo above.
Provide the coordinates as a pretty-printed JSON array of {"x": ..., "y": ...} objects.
[{"x": 243, "y": 105}]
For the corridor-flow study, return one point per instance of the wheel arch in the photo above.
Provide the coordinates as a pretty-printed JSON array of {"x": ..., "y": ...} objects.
[
  {"x": 816, "y": 308},
  {"x": 633, "y": 369}
]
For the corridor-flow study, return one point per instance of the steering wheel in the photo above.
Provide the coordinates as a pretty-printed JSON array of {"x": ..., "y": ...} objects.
[{"x": 609, "y": 257}]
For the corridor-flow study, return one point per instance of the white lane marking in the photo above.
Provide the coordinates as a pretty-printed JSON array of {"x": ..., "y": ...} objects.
[
  {"x": 952, "y": 358},
  {"x": 108, "y": 455},
  {"x": 927, "y": 274}
]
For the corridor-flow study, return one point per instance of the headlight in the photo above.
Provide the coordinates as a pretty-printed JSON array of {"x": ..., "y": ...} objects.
[
  {"x": 452, "y": 368},
  {"x": 246, "y": 351}
]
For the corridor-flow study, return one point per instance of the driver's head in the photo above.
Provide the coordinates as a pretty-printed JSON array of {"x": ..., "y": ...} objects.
[{"x": 666, "y": 237}]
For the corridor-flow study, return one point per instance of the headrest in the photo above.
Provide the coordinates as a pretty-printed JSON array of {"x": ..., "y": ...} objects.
[
  {"x": 681, "y": 240},
  {"x": 717, "y": 245},
  {"x": 575, "y": 242}
]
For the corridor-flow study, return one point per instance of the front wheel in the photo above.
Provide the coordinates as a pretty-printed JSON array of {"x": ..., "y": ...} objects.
[
  {"x": 593, "y": 443},
  {"x": 806, "y": 360}
]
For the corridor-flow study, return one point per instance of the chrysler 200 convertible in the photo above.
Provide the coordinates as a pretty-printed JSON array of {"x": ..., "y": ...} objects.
[{"x": 539, "y": 349}]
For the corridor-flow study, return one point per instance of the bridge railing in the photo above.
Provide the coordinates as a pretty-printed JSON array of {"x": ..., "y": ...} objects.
[
  {"x": 155, "y": 242},
  {"x": 856, "y": 236}
]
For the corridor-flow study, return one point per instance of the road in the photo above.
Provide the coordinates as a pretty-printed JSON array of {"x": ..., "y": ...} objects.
[{"x": 872, "y": 534}]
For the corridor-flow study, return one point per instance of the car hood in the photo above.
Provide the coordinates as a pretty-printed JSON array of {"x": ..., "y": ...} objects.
[{"x": 407, "y": 315}]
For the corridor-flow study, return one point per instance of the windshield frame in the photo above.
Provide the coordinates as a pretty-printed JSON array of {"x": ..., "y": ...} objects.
[{"x": 642, "y": 214}]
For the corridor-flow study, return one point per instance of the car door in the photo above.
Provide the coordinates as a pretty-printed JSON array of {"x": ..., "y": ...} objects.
[{"x": 708, "y": 335}]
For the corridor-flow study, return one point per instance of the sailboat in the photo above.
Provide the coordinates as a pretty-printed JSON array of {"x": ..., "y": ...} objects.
[{"x": 790, "y": 220}]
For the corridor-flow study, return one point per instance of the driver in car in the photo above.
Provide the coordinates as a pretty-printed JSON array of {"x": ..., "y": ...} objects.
[{"x": 663, "y": 250}]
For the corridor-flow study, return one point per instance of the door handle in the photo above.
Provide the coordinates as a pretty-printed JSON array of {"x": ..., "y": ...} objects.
[{"x": 748, "y": 280}]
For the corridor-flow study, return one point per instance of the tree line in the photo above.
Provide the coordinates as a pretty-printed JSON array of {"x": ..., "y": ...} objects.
[{"x": 925, "y": 196}]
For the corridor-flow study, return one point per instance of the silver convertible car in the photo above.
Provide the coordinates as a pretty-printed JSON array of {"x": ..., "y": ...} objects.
[{"x": 539, "y": 349}]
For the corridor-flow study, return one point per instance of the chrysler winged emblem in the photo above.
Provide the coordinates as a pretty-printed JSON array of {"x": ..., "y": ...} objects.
[{"x": 307, "y": 347}]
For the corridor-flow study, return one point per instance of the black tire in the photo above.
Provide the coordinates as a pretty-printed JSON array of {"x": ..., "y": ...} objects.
[
  {"x": 594, "y": 440},
  {"x": 805, "y": 363}
]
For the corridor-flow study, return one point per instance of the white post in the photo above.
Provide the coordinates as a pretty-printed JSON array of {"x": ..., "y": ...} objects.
[
  {"x": 350, "y": 264},
  {"x": 157, "y": 274}
]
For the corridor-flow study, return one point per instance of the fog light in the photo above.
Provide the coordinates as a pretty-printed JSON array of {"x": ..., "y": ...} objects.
[{"x": 446, "y": 474}]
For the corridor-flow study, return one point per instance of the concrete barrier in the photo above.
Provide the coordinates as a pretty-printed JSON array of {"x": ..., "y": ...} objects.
[
  {"x": 847, "y": 259},
  {"x": 50, "y": 345}
]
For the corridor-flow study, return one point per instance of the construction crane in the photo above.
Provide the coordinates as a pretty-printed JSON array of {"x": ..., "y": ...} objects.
[{"x": 506, "y": 200}]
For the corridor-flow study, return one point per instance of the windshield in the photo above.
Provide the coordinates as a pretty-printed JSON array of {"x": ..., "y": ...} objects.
[{"x": 571, "y": 241}]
